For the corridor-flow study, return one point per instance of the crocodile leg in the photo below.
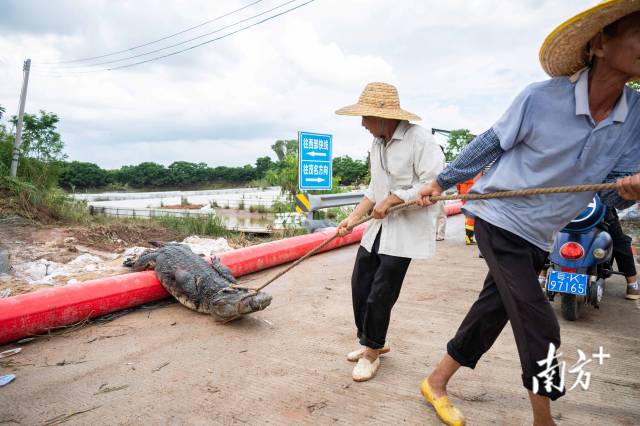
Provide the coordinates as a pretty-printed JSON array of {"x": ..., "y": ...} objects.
[
  {"x": 147, "y": 260},
  {"x": 223, "y": 270}
]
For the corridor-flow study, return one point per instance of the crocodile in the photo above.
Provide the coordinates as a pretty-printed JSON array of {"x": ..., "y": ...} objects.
[{"x": 198, "y": 285}]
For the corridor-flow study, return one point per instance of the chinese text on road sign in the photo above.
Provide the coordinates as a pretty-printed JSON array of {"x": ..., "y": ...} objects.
[{"x": 314, "y": 165}]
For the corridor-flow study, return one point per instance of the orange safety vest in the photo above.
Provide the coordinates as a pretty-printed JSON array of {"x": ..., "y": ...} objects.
[{"x": 465, "y": 187}]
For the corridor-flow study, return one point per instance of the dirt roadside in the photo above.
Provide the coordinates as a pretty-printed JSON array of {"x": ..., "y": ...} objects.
[
  {"x": 286, "y": 365},
  {"x": 28, "y": 241}
]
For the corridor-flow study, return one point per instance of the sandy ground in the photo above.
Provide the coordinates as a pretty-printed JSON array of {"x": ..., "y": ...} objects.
[{"x": 286, "y": 365}]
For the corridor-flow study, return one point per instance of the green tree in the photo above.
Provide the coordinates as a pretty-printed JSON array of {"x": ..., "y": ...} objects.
[
  {"x": 262, "y": 165},
  {"x": 6, "y": 148},
  {"x": 40, "y": 140},
  {"x": 458, "y": 139},
  {"x": 349, "y": 171},
  {"x": 41, "y": 151},
  {"x": 144, "y": 175},
  {"x": 282, "y": 148},
  {"x": 635, "y": 85},
  {"x": 183, "y": 173},
  {"x": 285, "y": 175},
  {"x": 79, "y": 175}
]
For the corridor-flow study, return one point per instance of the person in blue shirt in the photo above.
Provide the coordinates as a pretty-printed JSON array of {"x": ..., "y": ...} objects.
[{"x": 581, "y": 126}]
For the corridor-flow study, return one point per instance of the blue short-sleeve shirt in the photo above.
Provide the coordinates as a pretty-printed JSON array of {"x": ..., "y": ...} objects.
[{"x": 550, "y": 139}]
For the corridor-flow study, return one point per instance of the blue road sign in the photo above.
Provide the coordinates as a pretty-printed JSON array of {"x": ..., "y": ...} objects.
[{"x": 314, "y": 161}]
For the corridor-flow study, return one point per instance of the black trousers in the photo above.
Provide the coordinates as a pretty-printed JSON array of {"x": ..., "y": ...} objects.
[
  {"x": 375, "y": 287},
  {"x": 512, "y": 293},
  {"x": 621, "y": 244}
]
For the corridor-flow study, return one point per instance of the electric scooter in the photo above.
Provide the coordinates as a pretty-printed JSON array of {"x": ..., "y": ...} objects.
[{"x": 580, "y": 262}]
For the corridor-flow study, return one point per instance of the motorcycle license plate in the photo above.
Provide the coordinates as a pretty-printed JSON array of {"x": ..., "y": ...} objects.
[{"x": 567, "y": 282}]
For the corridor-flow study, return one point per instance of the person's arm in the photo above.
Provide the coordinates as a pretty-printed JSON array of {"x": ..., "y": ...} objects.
[
  {"x": 511, "y": 129},
  {"x": 427, "y": 163},
  {"x": 367, "y": 203},
  {"x": 361, "y": 209},
  {"x": 480, "y": 152},
  {"x": 629, "y": 187},
  {"x": 627, "y": 192}
]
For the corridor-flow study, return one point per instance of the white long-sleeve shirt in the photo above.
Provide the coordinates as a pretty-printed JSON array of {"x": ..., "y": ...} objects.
[{"x": 411, "y": 159}]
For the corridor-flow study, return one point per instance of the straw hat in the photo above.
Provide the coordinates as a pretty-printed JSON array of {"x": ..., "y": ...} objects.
[
  {"x": 378, "y": 100},
  {"x": 564, "y": 52}
]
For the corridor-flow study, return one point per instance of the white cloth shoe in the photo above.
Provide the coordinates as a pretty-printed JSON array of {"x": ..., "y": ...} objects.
[
  {"x": 365, "y": 369},
  {"x": 357, "y": 354}
]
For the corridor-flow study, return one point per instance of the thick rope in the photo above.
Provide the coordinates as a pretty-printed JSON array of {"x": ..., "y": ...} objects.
[{"x": 502, "y": 194}]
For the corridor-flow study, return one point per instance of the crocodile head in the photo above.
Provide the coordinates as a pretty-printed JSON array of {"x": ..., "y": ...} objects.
[{"x": 233, "y": 303}]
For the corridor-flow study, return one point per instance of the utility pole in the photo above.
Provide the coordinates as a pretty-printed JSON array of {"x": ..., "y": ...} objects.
[{"x": 23, "y": 99}]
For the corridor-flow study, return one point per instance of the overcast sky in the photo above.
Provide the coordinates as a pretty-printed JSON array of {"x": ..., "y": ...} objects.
[{"x": 456, "y": 64}]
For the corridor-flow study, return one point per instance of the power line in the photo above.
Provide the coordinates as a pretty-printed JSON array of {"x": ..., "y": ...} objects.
[
  {"x": 196, "y": 45},
  {"x": 212, "y": 40},
  {"x": 187, "y": 41},
  {"x": 157, "y": 40}
]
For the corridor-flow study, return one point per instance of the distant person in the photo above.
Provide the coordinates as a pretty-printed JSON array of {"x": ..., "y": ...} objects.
[
  {"x": 622, "y": 253},
  {"x": 579, "y": 127},
  {"x": 469, "y": 221},
  {"x": 441, "y": 221},
  {"x": 403, "y": 157}
]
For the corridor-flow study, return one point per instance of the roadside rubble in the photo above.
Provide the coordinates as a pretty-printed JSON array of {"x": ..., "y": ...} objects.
[
  {"x": 88, "y": 264},
  {"x": 207, "y": 246},
  {"x": 43, "y": 271}
]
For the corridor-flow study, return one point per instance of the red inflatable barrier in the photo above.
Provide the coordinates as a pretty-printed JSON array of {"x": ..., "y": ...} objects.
[
  {"x": 453, "y": 208},
  {"x": 34, "y": 313}
]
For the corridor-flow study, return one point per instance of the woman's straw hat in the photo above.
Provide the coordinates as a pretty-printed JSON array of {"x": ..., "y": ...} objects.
[
  {"x": 564, "y": 52},
  {"x": 378, "y": 100}
]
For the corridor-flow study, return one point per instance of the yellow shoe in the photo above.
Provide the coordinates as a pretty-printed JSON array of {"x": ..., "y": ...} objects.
[{"x": 449, "y": 414}]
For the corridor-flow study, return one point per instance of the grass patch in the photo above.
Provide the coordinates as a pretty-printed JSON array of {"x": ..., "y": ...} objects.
[
  {"x": 283, "y": 206},
  {"x": 288, "y": 232},
  {"x": 259, "y": 209},
  {"x": 210, "y": 225},
  {"x": 46, "y": 205}
]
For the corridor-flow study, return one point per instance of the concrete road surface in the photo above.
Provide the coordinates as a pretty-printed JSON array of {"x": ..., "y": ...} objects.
[{"x": 286, "y": 365}]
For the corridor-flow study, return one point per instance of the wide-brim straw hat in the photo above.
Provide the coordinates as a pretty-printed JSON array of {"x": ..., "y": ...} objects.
[
  {"x": 379, "y": 100},
  {"x": 565, "y": 50}
]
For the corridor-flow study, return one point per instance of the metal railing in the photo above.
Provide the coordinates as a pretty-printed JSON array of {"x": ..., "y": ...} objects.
[{"x": 327, "y": 201}]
